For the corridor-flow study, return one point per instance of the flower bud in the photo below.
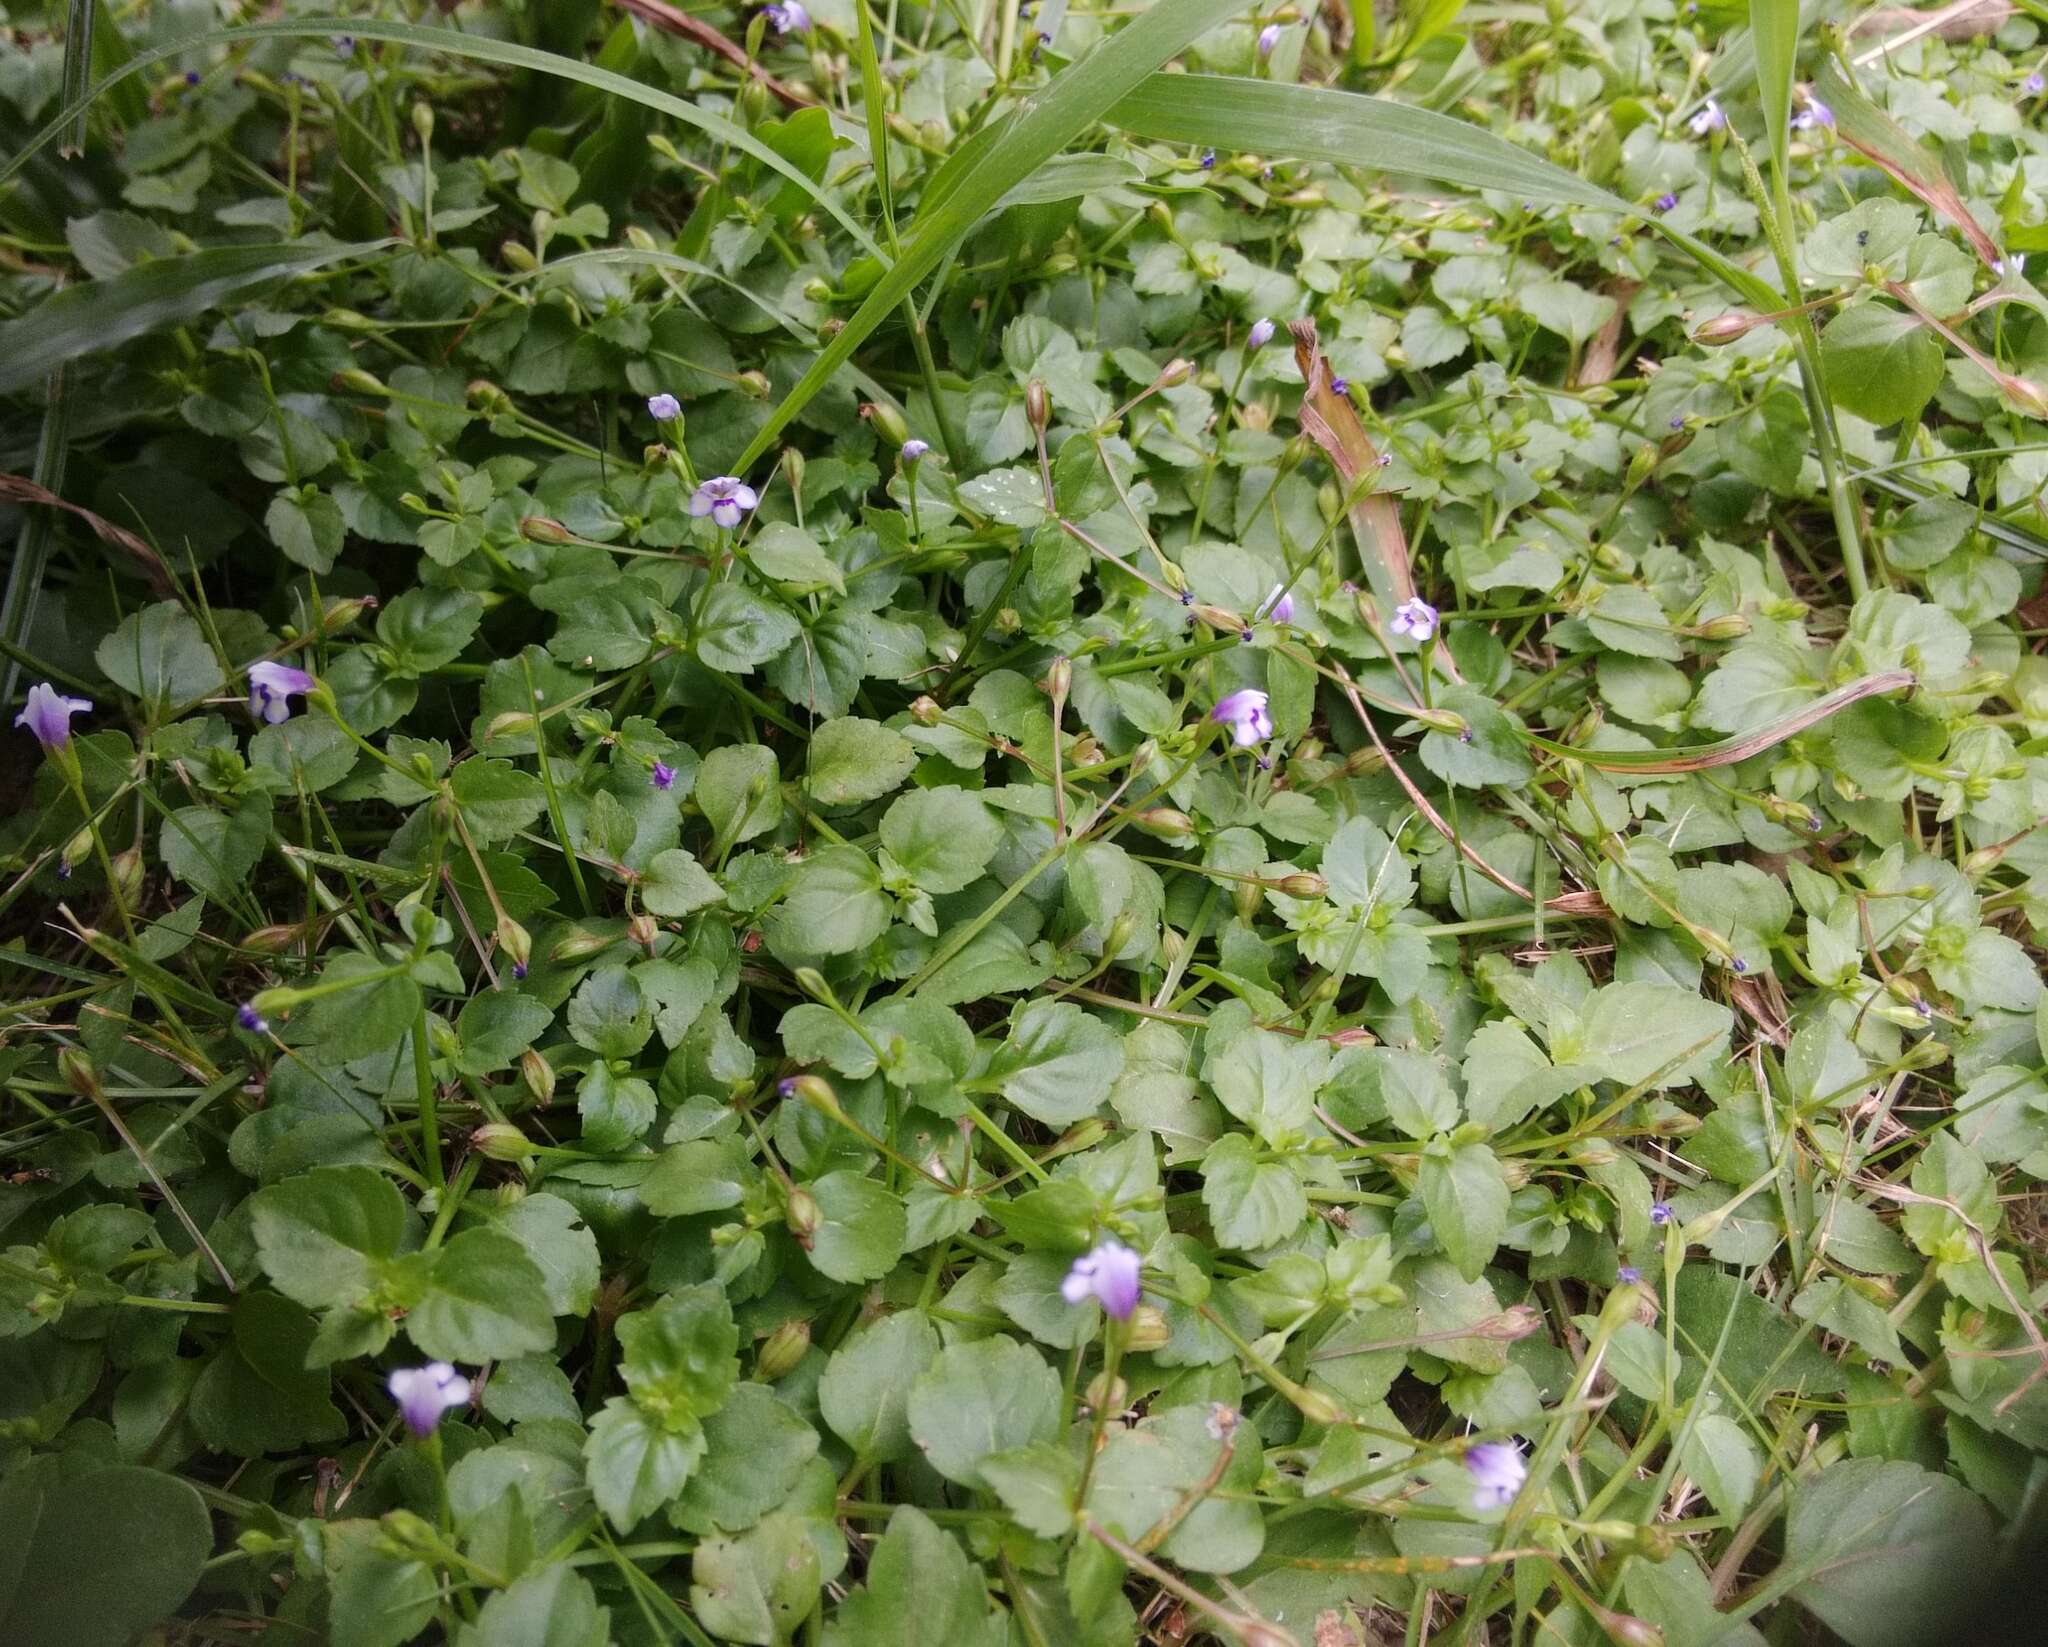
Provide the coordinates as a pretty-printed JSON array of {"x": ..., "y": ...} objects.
[
  {"x": 755, "y": 384},
  {"x": 812, "y": 982},
  {"x": 781, "y": 1350},
  {"x": 579, "y": 945},
  {"x": 273, "y": 940},
  {"x": 641, "y": 930},
  {"x": 501, "y": 1141},
  {"x": 128, "y": 875},
  {"x": 1314, "y": 1406},
  {"x": 537, "y": 1075},
  {"x": 1164, "y": 823},
  {"x": 1082, "y": 1135},
  {"x": 888, "y": 422},
  {"x": 541, "y": 529},
  {"x": 423, "y": 120},
  {"x": 815, "y": 1091},
  {"x": 1727, "y": 328},
  {"x": 1037, "y": 405},
  {"x": 1172, "y": 946},
  {"x": 77, "y": 850},
  {"x": 926, "y": 711},
  {"x": 1442, "y": 720},
  {"x": 1303, "y": 885},
  {"x": 639, "y": 239},
  {"x": 485, "y": 396},
  {"x": 1728, "y": 626},
  {"x": 517, "y": 943},
  {"x": 1121, "y": 931},
  {"x": 1245, "y": 896},
  {"x": 519, "y": 255},
  {"x": 77, "y": 1072},
  {"x": 362, "y": 382},
  {"x": 1174, "y": 373},
  {"x": 803, "y": 1217},
  {"x": 1106, "y": 1394},
  {"x": 1146, "y": 1330},
  {"x": 342, "y": 613}
]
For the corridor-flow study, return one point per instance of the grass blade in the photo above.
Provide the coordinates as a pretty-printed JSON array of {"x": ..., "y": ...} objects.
[
  {"x": 1774, "y": 28},
  {"x": 1352, "y": 129},
  {"x": 99, "y": 314}
]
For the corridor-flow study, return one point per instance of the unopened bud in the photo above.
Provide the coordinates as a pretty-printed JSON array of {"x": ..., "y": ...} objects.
[
  {"x": 1221, "y": 618},
  {"x": 888, "y": 422},
  {"x": 1727, "y": 328},
  {"x": 273, "y": 940},
  {"x": 423, "y": 120},
  {"x": 76, "y": 1070},
  {"x": 755, "y": 384},
  {"x": 641, "y": 930},
  {"x": 1164, "y": 823},
  {"x": 781, "y": 1350},
  {"x": 77, "y": 850},
  {"x": 485, "y": 396},
  {"x": 639, "y": 239},
  {"x": 519, "y": 255},
  {"x": 542, "y": 529},
  {"x": 812, "y": 982},
  {"x": 1442, "y": 720},
  {"x": 1303, "y": 885},
  {"x": 926, "y": 711},
  {"x": 1245, "y": 897},
  {"x": 128, "y": 875},
  {"x": 1517, "y": 1321},
  {"x": 1059, "y": 678},
  {"x": 1172, "y": 946},
  {"x": 513, "y": 721},
  {"x": 1728, "y": 626},
  {"x": 2027, "y": 396},
  {"x": 1146, "y": 1330},
  {"x": 803, "y": 1217},
  {"x": 342, "y": 613},
  {"x": 1121, "y": 931},
  {"x": 517, "y": 943},
  {"x": 537, "y": 1075},
  {"x": 815, "y": 1091},
  {"x": 501, "y": 1141},
  {"x": 362, "y": 382},
  {"x": 1314, "y": 1406},
  {"x": 580, "y": 944},
  {"x": 1106, "y": 1394},
  {"x": 1174, "y": 373},
  {"x": 1082, "y": 1135},
  {"x": 1037, "y": 405}
]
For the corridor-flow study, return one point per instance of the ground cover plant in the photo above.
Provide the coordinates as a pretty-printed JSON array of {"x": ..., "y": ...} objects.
[{"x": 874, "y": 824}]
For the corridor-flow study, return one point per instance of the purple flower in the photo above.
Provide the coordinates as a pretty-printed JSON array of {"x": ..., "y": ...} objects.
[
  {"x": 424, "y": 1393},
  {"x": 271, "y": 684},
  {"x": 913, "y": 449},
  {"x": 251, "y": 1020},
  {"x": 47, "y": 713},
  {"x": 664, "y": 408},
  {"x": 1278, "y": 606},
  {"x": 1816, "y": 113},
  {"x": 1660, "y": 1213},
  {"x": 344, "y": 45},
  {"x": 724, "y": 498},
  {"x": 1340, "y": 386},
  {"x": 1260, "y": 335},
  {"x": 1108, "y": 1273},
  {"x": 2033, "y": 83},
  {"x": 1244, "y": 712},
  {"x": 1629, "y": 1274},
  {"x": 1677, "y": 421},
  {"x": 1709, "y": 119},
  {"x": 191, "y": 77},
  {"x": 1665, "y": 201},
  {"x": 1208, "y": 160},
  {"x": 663, "y": 776},
  {"x": 1269, "y": 37},
  {"x": 1415, "y": 618},
  {"x": 787, "y": 17},
  {"x": 1497, "y": 1472}
]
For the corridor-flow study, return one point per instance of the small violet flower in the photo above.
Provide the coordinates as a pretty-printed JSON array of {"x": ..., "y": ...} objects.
[
  {"x": 1269, "y": 37},
  {"x": 424, "y": 1393},
  {"x": 1244, "y": 712},
  {"x": 251, "y": 1020},
  {"x": 663, "y": 777},
  {"x": 1415, "y": 618},
  {"x": 1660, "y": 1213},
  {"x": 1816, "y": 113},
  {"x": 1666, "y": 201},
  {"x": 344, "y": 45},
  {"x": 913, "y": 449},
  {"x": 1339, "y": 386},
  {"x": 1629, "y": 1274},
  {"x": 788, "y": 17},
  {"x": 1108, "y": 1273},
  {"x": 664, "y": 408},
  {"x": 1208, "y": 160},
  {"x": 47, "y": 713},
  {"x": 1260, "y": 335},
  {"x": 2033, "y": 83},
  {"x": 1709, "y": 119},
  {"x": 724, "y": 498},
  {"x": 1277, "y": 606},
  {"x": 271, "y": 685},
  {"x": 1498, "y": 1471}
]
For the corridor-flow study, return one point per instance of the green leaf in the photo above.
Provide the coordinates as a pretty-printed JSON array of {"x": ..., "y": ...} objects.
[
  {"x": 635, "y": 1463},
  {"x": 1467, "y": 1198},
  {"x": 757, "y": 1447},
  {"x": 560, "y": 1245},
  {"x": 676, "y": 884},
  {"x": 740, "y": 791},
  {"x": 864, "y": 1391},
  {"x": 98, "y": 1555},
  {"x": 160, "y": 655},
  {"x": 323, "y": 1236},
  {"x": 679, "y": 1354},
  {"x": 758, "y": 1588},
  {"x": 495, "y": 1028},
  {"x": 485, "y": 1299},
  {"x": 862, "y": 1230},
  {"x": 941, "y": 838},
  {"x": 976, "y": 1399},
  {"x": 1059, "y": 1064},
  {"x": 738, "y": 631},
  {"x": 1657, "y": 1033},
  {"x": 835, "y": 906},
  {"x": 1882, "y": 363},
  {"x": 1251, "y": 1203},
  {"x": 920, "y": 1591},
  {"x": 1889, "y": 1554},
  {"x": 552, "y": 1606},
  {"x": 497, "y": 799},
  {"x": 376, "y": 1598},
  {"x": 853, "y": 761}
]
